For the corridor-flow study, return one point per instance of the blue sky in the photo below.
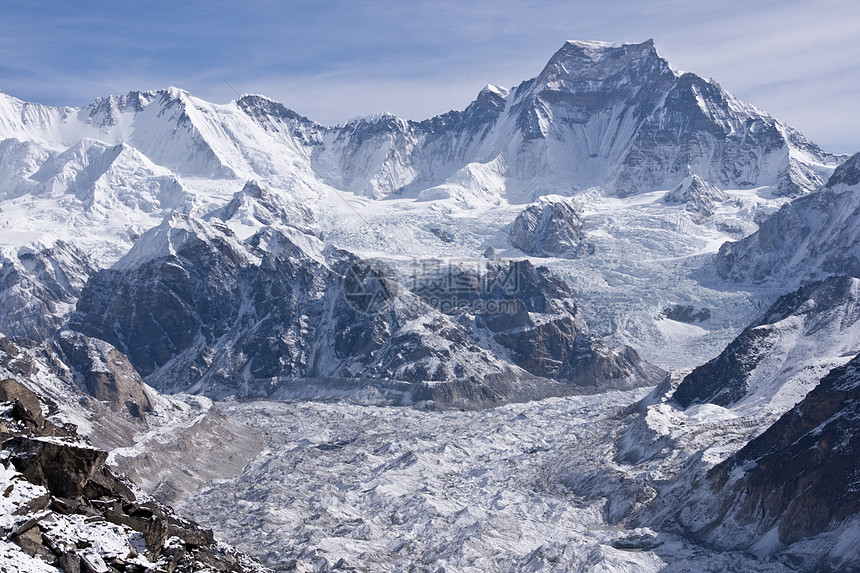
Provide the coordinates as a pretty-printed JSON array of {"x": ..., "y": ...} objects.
[{"x": 333, "y": 60}]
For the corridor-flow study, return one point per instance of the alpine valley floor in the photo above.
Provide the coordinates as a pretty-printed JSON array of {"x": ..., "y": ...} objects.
[{"x": 521, "y": 487}]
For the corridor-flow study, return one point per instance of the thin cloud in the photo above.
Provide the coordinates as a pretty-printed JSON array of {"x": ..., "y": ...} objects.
[{"x": 334, "y": 60}]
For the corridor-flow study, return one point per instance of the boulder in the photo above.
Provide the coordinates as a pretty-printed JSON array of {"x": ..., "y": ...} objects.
[{"x": 64, "y": 469}]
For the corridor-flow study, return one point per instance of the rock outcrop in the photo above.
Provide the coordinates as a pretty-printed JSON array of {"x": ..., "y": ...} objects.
[
  {"x": 799, "y": 478},
  {"x": 814, "y": 328},
  {"x": 38, "y": 288},
  {"x": 697, "y": 195},
  {"x": 551, "y": 227},
  {"x": 104, "y": 373},
  {"x": 61, "y": 498}
]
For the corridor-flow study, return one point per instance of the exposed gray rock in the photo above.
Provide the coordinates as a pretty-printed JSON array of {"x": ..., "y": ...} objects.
[
  {"x": 256, "y": 206},
  {"x": 104, "y": 373},
  {"x": 801, "y": 475},
  {"x": 810, "y": 238},
  {"x": 551, "y": 227},
  {"x": 823, "y": 313},
  {"x": 38, "y": 288},
  {"x": 64, "y": 469},
  {"x": 197, "y": 310},
  {"x": 697, "y": 195},
  {"x": 80, "y": 487},
  {"x": 686, "y": 313}
]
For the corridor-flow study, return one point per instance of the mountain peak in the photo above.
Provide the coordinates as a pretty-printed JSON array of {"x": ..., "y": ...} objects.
[
  {"x": 590, "y": 51},
  {"x": 175, "y": 232},
  {"x": 590, "y": 61},
  {"x": 490, "y": 89},
  {"x": 847, "y": 174}
]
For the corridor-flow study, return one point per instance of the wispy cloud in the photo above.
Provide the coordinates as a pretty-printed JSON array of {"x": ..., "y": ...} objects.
[{"x": 332, "y": 60}]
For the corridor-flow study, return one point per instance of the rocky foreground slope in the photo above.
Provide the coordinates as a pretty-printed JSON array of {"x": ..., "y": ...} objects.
[
  {"x": 62, "y": 509},
  {"x": 796, "y": 480}
]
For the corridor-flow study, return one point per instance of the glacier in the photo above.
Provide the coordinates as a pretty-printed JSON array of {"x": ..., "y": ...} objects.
[{"x": 158, "y": 251}]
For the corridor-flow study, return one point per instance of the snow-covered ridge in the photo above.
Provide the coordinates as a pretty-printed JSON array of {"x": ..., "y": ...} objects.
[
  {"x": 810, "y": 238},
  {"x": 102, "y": 175}
]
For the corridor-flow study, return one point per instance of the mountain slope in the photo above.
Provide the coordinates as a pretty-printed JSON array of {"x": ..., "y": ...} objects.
[
  {"x": 796, "y": 480},
  {"x": 807, "y": 239},
  {"x": 38, "y": 288},
  {"x": 198, "y": 310},
  {"x": 779, "y": 358}
]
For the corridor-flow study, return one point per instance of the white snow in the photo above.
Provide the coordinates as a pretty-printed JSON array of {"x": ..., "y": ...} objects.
[{"x": 384, "y": 487}]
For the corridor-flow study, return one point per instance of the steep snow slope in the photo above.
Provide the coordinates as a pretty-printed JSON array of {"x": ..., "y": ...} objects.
[
  {"x": 730, "y": 449},
  {"x": 759, "y": 376},
  {"x": 808, "y": 239}
]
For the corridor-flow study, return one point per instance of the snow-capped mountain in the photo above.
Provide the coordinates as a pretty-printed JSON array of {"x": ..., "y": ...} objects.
[
  {"x": 196, "y": 309},
  {"x": 796, "y": 480},
  {"x": 156, "y": 242},
  {"x": 617, "y": 116},
  {"x": 600, "y": 121},
  {"x": 807, "y": 239},
  {"x": 779, "y": 358},
  {"x": 598, "y": 114}
]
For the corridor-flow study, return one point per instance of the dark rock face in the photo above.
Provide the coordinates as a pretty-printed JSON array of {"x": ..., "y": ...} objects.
[
  {"x": 26, "y": 403},
  {"x": 27, "y": 410},
  {"x": 63, "y": 469},
  {"x": 106, "y": 373},
  {"x": 93, "y": 381},
  {"x": 808, "y": 239},
  {"x": 550, "y": 228},
  {"x": 686, "y": 313},
  {"x": 802, "y": 474},
  {"x": 242, "y": 316},
  {"x": 78, "y": 483},
  {"x": 227, "y": 317},
  {"x": 36, "y": 287},
  {"x": 723, "y": 380},
  {"x": 847, "y": 174},
  {"x": 530, "y": 313}
]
